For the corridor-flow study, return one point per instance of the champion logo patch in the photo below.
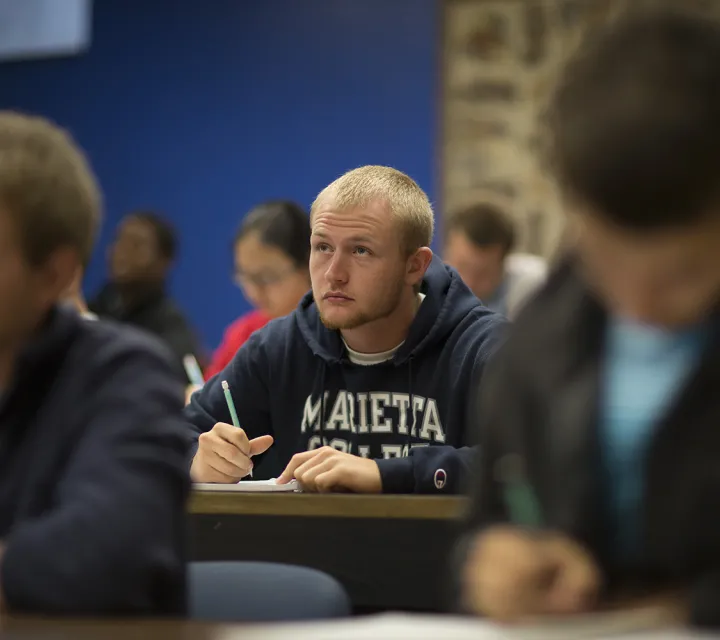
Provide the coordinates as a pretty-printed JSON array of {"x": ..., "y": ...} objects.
[{"x": 440, "y": 478}]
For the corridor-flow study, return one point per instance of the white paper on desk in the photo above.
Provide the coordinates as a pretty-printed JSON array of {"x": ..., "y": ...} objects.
[
  {"x": 612, "y": 624},
  {"x": 437, "y": 627},
  {"x": 250, "y": 486}
]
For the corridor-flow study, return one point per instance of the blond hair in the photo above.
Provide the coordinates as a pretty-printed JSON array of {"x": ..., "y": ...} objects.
[
  {"x": 406, "y": 200},
  {"x": 47, "y": 188}
]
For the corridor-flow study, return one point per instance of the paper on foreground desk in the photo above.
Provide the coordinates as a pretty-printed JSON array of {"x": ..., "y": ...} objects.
[
  {"x": 421, "y": 627},
  {"x": 250, "y": 486}
]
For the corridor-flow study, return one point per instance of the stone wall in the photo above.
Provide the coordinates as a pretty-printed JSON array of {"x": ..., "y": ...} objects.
[{"x": 499, "y": 59}]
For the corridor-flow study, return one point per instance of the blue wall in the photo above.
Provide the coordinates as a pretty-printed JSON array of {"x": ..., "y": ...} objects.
[{"x": 202, "y": 108}]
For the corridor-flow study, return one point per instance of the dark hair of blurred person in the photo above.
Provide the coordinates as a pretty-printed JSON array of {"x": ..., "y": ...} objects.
[{"x": 603, "y": 402}]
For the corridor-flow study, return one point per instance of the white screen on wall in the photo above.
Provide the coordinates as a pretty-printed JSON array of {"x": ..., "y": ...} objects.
[{"x": 44, "y": 28}]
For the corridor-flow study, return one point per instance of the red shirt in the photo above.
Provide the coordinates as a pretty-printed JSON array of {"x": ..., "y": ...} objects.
[{"x": 234, "y": 338}]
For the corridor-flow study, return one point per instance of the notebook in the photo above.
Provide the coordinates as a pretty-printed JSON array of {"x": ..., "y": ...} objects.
[{"x": 250, "y": 486}]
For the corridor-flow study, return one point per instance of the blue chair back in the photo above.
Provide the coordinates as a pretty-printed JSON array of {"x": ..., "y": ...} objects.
[{"x": 263, "y": 592}]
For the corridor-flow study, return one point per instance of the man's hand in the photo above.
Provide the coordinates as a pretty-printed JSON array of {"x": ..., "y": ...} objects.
[
  {"x": 512, "y": 575},
  {"x": 224, "y": 454},
  {"x": 327, "y": 469}
]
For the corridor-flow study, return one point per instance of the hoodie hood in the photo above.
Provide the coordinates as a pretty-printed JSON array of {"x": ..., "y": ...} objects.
[{"x": 447, "y": 302}]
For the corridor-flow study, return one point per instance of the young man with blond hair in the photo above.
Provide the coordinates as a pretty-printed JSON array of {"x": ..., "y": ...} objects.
[
  {"x": 363, "y": 387},
  {"x": 93, "y": 450}
]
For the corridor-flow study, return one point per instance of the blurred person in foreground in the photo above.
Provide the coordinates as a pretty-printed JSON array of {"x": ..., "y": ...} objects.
[
  {"x": 75, "y": 297},
  {"x": 600, "y": 444},
  {"x": 479, "y": 243},
  {"x": 141, "y": 256},
  {"x": 271, "y": 252},
  {"x": 93, "y": 458}
]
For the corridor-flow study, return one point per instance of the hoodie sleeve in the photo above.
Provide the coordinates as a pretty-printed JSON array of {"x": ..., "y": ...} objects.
[
  {"x": 246, "y": 376},
  {"x": 437, "y": 469},
  {"x": 445, "y": 469},
  {"x": 112, "y": 544}
]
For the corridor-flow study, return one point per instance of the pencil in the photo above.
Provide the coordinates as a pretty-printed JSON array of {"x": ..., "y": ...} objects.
[
  {"x": 193, "y": 371},
  {"x": 231, "y": 407},
  {"x": 523, "y": 505}
]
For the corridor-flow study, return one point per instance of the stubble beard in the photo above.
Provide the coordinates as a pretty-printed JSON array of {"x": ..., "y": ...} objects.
[{"x": 387, "y": 306}]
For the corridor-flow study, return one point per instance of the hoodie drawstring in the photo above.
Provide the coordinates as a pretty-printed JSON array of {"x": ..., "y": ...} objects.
[
  {"x": 351, "y": 419},
  {"x": 411, "y": 428},
  {"x": 322, "y": 403}
]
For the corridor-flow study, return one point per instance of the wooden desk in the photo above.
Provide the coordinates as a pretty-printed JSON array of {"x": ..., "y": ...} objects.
[
  {"x": 62, "y": 629},
  {"x": 390, "y": 552},
  {"x": 334, "y": 505}
]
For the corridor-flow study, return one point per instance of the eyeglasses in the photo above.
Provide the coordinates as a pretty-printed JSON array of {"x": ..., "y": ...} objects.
[{"x": 261, "y": 280}]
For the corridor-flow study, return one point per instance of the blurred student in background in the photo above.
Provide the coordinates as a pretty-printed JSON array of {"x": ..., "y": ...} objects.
[
  {"x": 478, "y": 242},
  {"x": 271, "y": 252},
  {"x": 93, "y": 458},
  {"x": 600, "y": 443},
  {"x": 141, "y": 257}
]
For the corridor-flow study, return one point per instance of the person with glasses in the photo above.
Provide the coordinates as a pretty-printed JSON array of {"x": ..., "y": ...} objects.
[{"x": 272, "y": 252}]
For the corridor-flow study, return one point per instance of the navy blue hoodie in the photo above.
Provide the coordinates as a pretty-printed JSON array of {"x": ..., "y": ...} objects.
[
  {"x": 293, "y": 380},
  {"x": 93, "y": 474}
]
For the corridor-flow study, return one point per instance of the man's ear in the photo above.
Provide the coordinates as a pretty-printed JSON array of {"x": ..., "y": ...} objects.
[
  {"x": 57, "y": 276},
  {"x": 417, "y": 264}
]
